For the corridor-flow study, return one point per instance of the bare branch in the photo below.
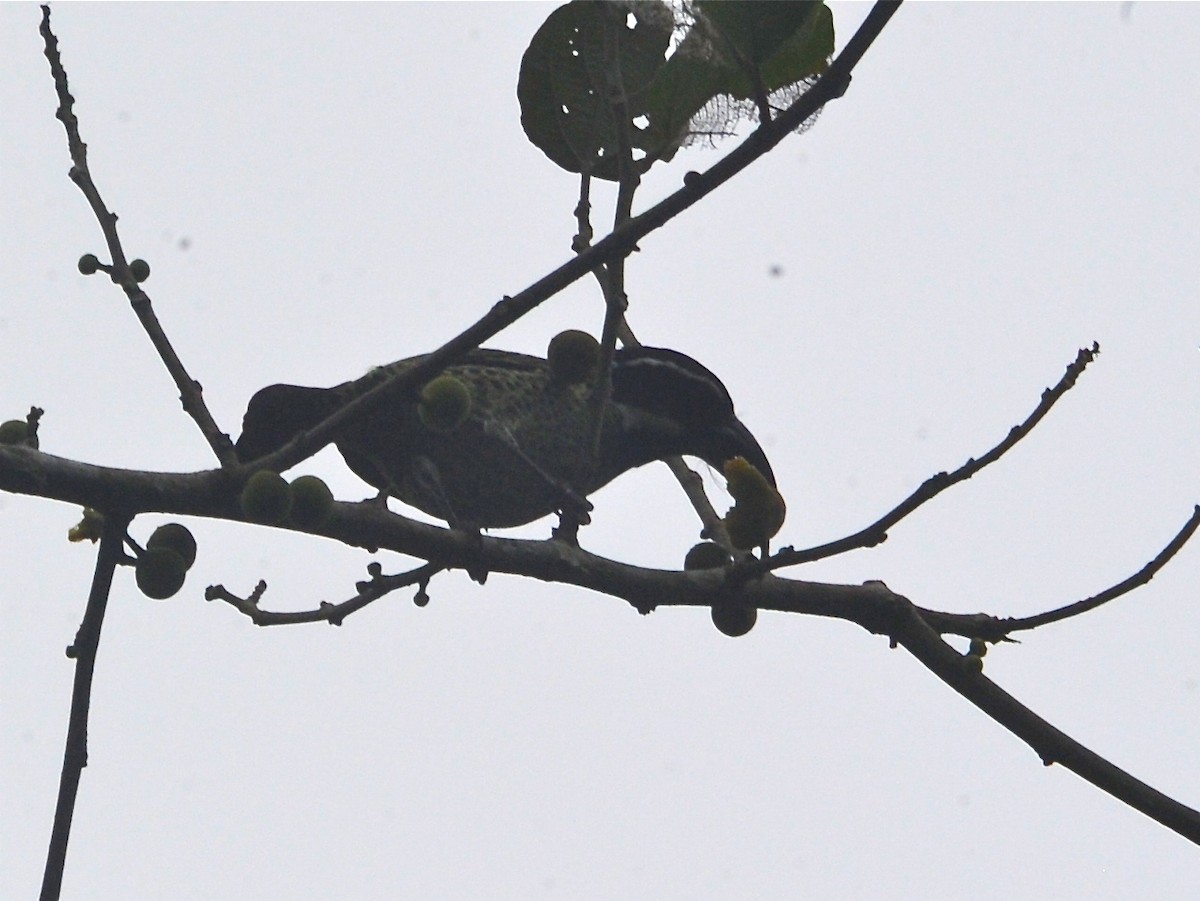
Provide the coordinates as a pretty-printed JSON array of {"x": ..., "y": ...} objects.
[
  {"x": 334, "y": 614},
  {"x": 996, "y": 629},
  {"x": 83, "y": 650},
  {"x": 611, "y": 275},
  {"x": 713, "y": 527},
  {"x": 190, "y": 392},
  {"x": 1141, "y": 577},
  {"x": 876, "y": 533},
  {"x": 583, "y": 215},
  {"x": 873, "y": 607},
  {"x": 1050, "y": 744}
]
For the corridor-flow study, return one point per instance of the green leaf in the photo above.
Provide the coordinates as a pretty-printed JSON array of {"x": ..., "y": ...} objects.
[
  {"x": 734, "y": 55},
  {"x": 770, "y": 42},
  {"x": 568, "y": 75}
]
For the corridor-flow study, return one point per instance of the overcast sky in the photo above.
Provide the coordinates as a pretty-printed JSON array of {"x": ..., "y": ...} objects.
[{"x": 323, "y": 188}]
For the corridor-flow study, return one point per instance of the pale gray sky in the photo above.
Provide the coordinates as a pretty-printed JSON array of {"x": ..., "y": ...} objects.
[{"x": 1002, "y": 185}]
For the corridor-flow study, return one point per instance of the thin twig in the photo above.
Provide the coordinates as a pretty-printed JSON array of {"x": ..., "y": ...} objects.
[
  {"x": 933, "y": 486},
  {"x": 713, "y": 527},
  {"x": 996, "y": 629},
  {"x": 370, "y": 591},
  {"x": 190, "y": 392},
  {"x": 83, "y": 649},
  {"x": 611, "y": 275},
  {"x": 583, "y": 215},
  {"x": 1141, "y": 577},
  {"x": 616, "y": 303}
]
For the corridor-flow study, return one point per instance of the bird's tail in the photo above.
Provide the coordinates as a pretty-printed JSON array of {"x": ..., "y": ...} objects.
[{"x": 277, "y": 414}]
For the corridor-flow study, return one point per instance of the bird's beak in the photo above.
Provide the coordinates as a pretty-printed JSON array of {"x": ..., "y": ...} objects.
[{"x": 735, "y": 440}]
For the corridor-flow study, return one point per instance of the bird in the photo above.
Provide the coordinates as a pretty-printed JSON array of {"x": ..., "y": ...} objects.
[{"x": 526, "y": 445}]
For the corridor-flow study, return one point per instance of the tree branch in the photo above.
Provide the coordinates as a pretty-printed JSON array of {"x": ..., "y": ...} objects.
[
  {"x": 83, "y": 649},
  {"x": 996, "y": 629},
  {"x": 872, "y": 606},
  {"x": 334, "y": 614},
  {"x": 1051, "y": 744},
  {"x": 190, "y": 391},
  {"x": 876, "y": 533},
  {"x": 1141, "y": 577}
]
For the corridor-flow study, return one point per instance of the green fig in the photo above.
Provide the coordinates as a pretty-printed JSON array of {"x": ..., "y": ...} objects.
[
  {"x": 312, "y": 501},
  {"x": 758, "y": 510},
  {"x": 15, "y": 431},
  {"x": 706, "y": 555},
  {"x": 573, "y": 355},
  {"x": 89, "y": 528},
  {"x": 160, "y": 572},
  {"x": 734, "y": 619},
  {"x": 176, "y": 537},
  {"x": 445, "y": 403},
  {"x": 266, "y": 498}
]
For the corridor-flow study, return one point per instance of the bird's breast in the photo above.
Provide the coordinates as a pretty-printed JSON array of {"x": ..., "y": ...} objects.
[{"x": 503, "y": 466}]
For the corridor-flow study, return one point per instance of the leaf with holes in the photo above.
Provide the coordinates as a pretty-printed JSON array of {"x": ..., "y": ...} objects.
[
  {"x": 735, "y": 56},
  {"x": 769, "y": 44},
  {"x": 588, "y": 63}
]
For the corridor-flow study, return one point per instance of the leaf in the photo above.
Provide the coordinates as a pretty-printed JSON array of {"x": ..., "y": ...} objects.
[
  {"x": 593, "y": 63},
  {"x": 772, "y": 44},
  {"x": 735, "y": 55},
  {"x": 569, "y": 76}
]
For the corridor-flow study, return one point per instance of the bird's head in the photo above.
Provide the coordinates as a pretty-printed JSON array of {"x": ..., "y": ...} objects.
[
  {"x": 667, "y": 404},
  {"x": 277, "y": 414}
]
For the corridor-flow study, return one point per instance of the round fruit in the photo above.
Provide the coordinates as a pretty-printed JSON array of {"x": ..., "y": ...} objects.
[
  {"x": 734, "y": 619},
  {"x": 176, "y": 537},
  {"x": 160, "y": 573},
  {"x": 706, "y": 555},
  {"x": 140, "y": 270},
  {"x": 445, "y": 403},
  {"x": 88, "y": 264},
  {"x": 311, "y": 501},
  {"x": 15, "y": 431},
  {"x": 752, "y": 524},
  {"x": 572, "y": 356},
  {"x": 267, "y": 498},
  {"x": 744, "y": 480},
  {"x": 758, "y": 510}
]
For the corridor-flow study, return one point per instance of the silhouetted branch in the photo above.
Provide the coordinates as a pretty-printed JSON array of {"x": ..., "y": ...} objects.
[
  {"x": 1141, "y": 577},
  {"x": 997, "y": 629},
  {"x": 1052, "y": 745},
  {"x": 83, "y": 649},
  {"x": 871, "y": 606},
  {"x": 933, "y": 486},
  {"x": 190, "y": 392},
  {"x": 334, "y": 614}
]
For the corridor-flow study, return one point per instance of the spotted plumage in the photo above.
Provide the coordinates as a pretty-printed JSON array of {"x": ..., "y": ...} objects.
[{"x": 526, "y": 446}]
